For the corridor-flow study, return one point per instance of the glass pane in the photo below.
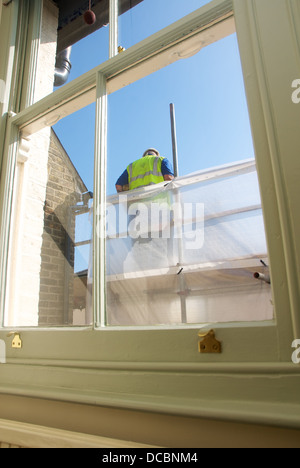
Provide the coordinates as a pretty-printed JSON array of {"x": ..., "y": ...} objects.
[
  {"x": 186, "y": 251},
  {"x": 69, "y": 46},
  {"x": 193, "y": 251},
  {"x": 212, "y": 122},
  {"x": 88, "y": 53},
  {"x": 150, "y": 16},
  {"x": 51, "y": 230}
]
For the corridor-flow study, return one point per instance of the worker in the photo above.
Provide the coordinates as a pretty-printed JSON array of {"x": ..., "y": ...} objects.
[
  {"x": 148, "y": 248},
  {"x": 150, "y": 169}
]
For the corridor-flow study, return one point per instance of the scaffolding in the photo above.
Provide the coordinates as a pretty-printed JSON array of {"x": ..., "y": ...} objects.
[{"x": 189, "y": 251}]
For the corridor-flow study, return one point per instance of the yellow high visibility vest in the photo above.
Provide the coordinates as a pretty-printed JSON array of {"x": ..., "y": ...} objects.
[{"x": 145, "y": 171}]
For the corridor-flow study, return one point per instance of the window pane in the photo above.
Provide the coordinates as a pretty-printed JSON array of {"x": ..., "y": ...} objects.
[
  {"x": 212, "y": 120},
  {"x": 150, "y": 16},
  {"x": 186, "y": 251},
  {"x": 88, "y": 53},
  {"x": 72, "y": 45},
  {"x": 83, "y": 52},
  {"x": 51, "y": 231}
]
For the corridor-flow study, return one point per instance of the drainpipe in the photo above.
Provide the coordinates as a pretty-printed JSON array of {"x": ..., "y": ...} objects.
[{"x": 62, "y": 67}]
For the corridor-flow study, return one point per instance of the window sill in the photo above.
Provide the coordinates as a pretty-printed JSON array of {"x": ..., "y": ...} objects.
[{"x": 239, "y": 392}]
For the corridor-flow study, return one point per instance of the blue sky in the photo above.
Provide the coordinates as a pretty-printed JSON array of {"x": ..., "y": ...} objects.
[{"x": 207, "y": 91}]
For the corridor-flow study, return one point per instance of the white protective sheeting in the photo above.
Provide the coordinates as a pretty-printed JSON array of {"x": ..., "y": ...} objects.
[{"x": 186, "y": 251}]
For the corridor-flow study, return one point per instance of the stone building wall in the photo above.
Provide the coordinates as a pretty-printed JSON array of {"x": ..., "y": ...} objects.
[{"x": 64, "y": 189}]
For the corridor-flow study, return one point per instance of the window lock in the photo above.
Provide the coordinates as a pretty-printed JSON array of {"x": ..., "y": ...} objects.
[
  {"x": 209, "y": 344},
  {"x": 16, "y": 342}
]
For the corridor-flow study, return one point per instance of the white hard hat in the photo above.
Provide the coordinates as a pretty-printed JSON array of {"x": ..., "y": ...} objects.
[{"x": 151, "y": 150}]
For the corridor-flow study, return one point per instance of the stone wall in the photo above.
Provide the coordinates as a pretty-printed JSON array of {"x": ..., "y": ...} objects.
[{"x": 64, "y": 189}]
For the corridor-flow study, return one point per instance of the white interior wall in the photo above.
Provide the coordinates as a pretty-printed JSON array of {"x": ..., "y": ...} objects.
[{"x": 30, "y": 192}]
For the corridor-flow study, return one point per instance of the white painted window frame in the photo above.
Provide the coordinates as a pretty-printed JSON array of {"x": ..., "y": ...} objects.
[{"x": 160, "y": 369}]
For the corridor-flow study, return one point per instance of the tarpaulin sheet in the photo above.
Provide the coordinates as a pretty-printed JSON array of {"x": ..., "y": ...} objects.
[{"x": 186, "y": 251}]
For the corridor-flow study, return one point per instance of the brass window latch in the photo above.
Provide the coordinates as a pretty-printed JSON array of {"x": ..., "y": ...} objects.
[
  {"x": 209, "y": 344},
  {"x": 16, "y": 342}
]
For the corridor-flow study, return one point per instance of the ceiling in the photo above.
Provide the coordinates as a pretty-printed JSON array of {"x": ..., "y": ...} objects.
[{"x": 71, "y": 26}]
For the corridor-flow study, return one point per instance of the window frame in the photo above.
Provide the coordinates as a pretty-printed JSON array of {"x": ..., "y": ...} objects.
[{"x": 160, "y": 368}]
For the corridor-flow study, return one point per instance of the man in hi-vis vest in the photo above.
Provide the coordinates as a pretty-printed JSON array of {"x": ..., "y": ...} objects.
[
  {"x": 149, "y": 170},
  {"x": 147, "y": 248}
]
